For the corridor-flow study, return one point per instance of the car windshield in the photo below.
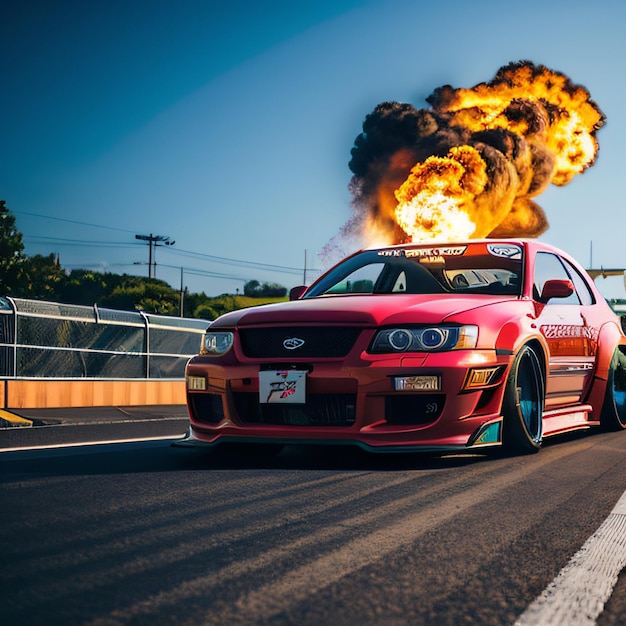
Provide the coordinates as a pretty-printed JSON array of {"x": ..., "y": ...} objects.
[{"x": 488, "y": 268}]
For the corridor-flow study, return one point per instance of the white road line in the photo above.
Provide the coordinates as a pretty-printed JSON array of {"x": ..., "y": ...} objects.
[
  {"x": 83, "y": 444},
  {"x": 577, "y": 595}
]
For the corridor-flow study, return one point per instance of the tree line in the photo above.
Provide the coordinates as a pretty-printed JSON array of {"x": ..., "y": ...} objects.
[{"x": 41, "y": 277}]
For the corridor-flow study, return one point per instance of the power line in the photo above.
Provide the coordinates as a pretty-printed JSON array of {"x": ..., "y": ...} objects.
[
  {"x": 187, "y": 270},
  {"x": 185, "y": 253},
  {"x": 237, "y": 262},
  {"x": 198, "y": 272},
  {"x": 61, "y": 219},
  {"x": 62, "y": 241}
]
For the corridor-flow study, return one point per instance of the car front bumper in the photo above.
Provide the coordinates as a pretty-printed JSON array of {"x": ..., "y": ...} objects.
[{"x": 355, "y": 404}]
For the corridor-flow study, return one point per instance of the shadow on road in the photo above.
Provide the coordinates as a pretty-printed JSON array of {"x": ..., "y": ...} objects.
[{"x": 161, "y": 456}]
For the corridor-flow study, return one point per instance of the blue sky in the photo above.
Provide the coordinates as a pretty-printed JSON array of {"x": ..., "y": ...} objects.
[{"x": 227, "y": 127}]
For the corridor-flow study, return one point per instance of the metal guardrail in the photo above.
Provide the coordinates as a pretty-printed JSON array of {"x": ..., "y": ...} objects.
[
  {"x": 46, "y": 340},
  {"x": 50, "y": 340}
]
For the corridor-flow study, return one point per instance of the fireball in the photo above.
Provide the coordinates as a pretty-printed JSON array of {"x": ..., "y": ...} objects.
[{"x": 470, "y": 166}]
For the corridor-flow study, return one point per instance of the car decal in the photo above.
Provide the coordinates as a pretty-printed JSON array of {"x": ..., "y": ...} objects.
[
  {"x": 567, "y": 331},
  {"x": 435, "y": 252},
  {"x": 508, "y": 251}
]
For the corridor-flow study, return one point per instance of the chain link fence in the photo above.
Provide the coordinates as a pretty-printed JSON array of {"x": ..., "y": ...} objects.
[{"x": 49, "y": 340}]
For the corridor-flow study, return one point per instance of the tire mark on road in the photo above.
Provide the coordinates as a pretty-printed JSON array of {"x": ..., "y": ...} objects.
[{"x": 405, "y": 525}]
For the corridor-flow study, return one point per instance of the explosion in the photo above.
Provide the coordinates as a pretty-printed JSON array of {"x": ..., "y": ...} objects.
[{"x": 470, "y": 166}]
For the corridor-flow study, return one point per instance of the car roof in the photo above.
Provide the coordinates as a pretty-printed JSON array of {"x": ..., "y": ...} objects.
[{"x": 525, "y": 243}]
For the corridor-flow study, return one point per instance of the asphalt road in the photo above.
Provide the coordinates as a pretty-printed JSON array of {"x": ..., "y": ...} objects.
[{"x": 146, "y": 533}]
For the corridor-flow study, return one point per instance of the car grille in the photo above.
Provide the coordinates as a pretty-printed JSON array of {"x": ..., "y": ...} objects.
[
  {"x": 318, "y": 341},
  {"x": 319, "y": 410}
]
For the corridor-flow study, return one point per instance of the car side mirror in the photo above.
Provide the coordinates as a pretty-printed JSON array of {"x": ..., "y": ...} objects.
[
  {"x": 297, "y": 292},
  {"x": 556, "y": 288}
]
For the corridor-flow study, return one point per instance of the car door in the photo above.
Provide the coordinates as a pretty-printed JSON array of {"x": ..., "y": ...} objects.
[{"x": 566, "y": 331}]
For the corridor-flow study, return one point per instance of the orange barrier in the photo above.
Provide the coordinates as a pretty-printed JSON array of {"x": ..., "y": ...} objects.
[{"x": 45, "y": 394}]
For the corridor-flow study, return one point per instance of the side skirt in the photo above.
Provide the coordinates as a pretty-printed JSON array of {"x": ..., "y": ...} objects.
[{"x": 556, "y": 421}]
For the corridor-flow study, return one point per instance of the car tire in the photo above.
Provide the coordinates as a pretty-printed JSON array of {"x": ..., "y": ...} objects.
[
  {"x": 613, "y": 414},
  {"x": 522, "y": 407}
]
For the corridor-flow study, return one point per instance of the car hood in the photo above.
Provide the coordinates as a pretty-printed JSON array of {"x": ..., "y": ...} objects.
[{"x": 364, "y": 310}]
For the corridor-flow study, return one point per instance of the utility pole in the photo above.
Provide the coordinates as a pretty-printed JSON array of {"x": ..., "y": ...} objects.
[
  {"x": 154, "y": 240},
  {"x": 182, "y": 291},
  {"x": 304, "y": 277}
]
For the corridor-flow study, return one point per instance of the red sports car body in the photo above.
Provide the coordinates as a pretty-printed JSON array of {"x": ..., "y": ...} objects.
[{"x": 417, "y": 347}]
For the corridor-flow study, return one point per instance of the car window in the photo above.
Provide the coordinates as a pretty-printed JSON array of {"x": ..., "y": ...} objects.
[
  {"x": 361, "y": 280},
  {"x": 549, "y": 267},
  {"x": 468, "y": 269},
  {"x": 580, "y": 284}
]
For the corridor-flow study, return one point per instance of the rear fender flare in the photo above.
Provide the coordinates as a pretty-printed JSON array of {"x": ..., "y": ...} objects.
[{"x": 609, "y": 337}]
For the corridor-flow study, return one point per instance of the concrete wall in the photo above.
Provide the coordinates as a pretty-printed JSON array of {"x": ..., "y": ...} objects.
[{"x": 44, "y": 394}]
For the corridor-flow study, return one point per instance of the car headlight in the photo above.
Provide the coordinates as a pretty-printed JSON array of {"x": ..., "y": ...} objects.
[
  {"x": 427, "y": 339},
  {"x": 217, "y": 342}
]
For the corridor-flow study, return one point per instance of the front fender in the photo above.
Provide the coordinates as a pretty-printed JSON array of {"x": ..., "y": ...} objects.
[{"x": 514, "y": 334}]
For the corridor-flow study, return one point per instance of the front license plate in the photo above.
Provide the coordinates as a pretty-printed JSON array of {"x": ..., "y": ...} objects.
[{"x": 282, "y": 386}]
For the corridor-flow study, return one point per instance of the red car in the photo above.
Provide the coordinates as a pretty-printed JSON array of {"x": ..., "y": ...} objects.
[{"x": 433, "y": 347}]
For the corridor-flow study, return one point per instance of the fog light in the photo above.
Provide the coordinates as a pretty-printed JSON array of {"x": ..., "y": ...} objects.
[
  {"x": 196, "y": 383},
  {"x": 482, "y": 377},
  {"x": 417, "y": 383}
]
